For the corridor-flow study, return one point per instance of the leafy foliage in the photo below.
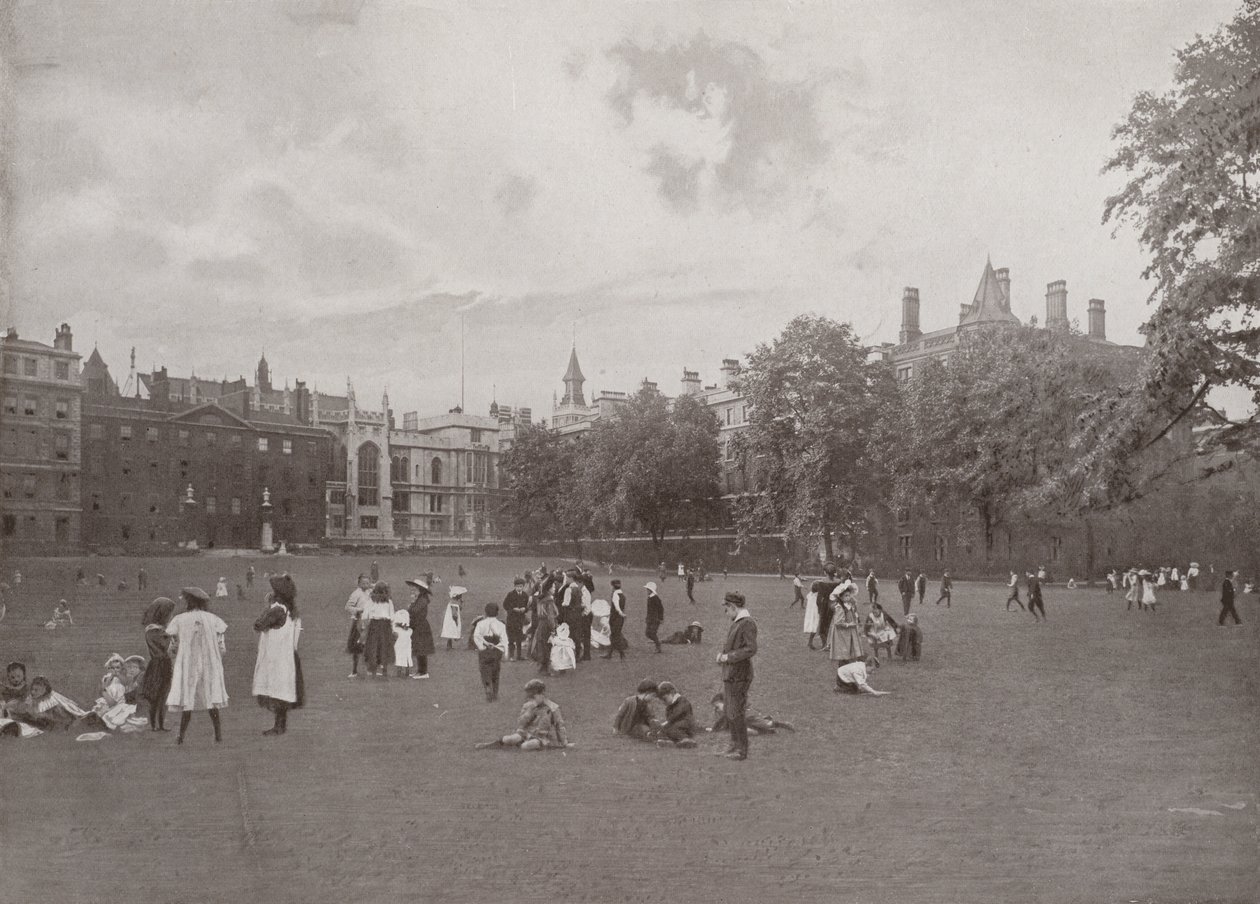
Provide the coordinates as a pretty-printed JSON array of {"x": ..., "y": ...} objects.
[
  {"x": 1191, "y": 157},
  {"x": 814, "y": 399},
  {"x": 652, "y": 464},
  {"x": 539, "y": 472}
]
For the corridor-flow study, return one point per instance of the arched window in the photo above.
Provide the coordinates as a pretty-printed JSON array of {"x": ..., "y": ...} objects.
[
  {"x": 404, "y": 469},
  {"x": 435, "y": 470},
  {"x": 369, "y": 474},
  {"x": 394, "y": 464}
]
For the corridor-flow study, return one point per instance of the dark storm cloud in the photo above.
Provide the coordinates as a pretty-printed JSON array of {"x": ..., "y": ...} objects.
[
  {"x": 515, "y": 194},
  {"x": 772, "y": 126}
]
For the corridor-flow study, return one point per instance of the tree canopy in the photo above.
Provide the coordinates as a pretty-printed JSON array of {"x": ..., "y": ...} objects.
[
  {"x": 1190, "y": 156},
  {"x": 814, "y": 400}
]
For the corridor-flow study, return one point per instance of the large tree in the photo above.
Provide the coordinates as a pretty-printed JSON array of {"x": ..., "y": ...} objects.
[
  {"x": 652, "y": 465},
  {"x": 538, "y": 473},
  {"x": 814, "y": 399},
  {"x": 1191, "y": 157},
  {"x": 979, "y": 432}
]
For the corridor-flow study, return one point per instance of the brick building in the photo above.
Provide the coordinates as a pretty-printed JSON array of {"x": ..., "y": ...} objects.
[
  {"x": 40, "y": 511},
  {"x": 143, "y": 450}
]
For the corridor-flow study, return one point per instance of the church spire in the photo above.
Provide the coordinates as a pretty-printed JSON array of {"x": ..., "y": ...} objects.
[{"x": 573, "y": 381}]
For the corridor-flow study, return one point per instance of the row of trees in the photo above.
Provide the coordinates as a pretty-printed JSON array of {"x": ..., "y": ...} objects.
[{"x": 1018, "y": 422}]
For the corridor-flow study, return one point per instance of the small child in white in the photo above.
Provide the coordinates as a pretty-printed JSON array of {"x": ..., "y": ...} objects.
[
  {"x": 563, "y": 651},
  {"x": 851, "y": 678},
  {"x": 402, "y": 643},
  {"x": 61, "y": 617},
  {"x": 452, "y": 625}
]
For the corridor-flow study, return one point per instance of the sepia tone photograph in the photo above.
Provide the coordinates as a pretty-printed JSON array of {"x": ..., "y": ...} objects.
[{"x": 529, "y": 452}]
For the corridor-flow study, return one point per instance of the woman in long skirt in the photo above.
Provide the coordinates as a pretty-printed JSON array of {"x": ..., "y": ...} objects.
[
  {"x": 378, "y": 648},
  {"x": 197, "y": 681},
  {"x": 421, "y": 633},
  {"x": 543, "y": 625},
  {"x": 277, "y": 671},
  {"x": 845, "y": 636},
  {"x": 156, "y": 683}
]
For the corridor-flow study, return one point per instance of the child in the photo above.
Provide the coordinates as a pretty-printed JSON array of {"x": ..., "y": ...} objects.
[
  {"x": 156, "y": 684},
  {"x": 220, "y": 590},
  {"x": 240, "y": 592},
  {"x": 15, "y": 688},
  {"x": 910, "y": 640},
  {"x": 634, "y": 717},
  {"x": 761, "y": 724},
  {"x": 452, "y": 626},
  {"x": 540, "y": 726},
  {"x": 133, "y": 671},
  {"x": 688, "y": 635},
  {"x": 111, "y": 709},
  {"x": 402, "y": 644},
  {"x": 881, "y": 630},
  {"x": 798, "y": 591},
  {"x": 563, "y": 651},
  {"x": 61, "y": 617},
  {"x": 378, "y": 615},
  {"x": 490, "y": 640},
  {"x": 680, "y": 723},
  {"x": 851, "y": 677},
  {"x": 46, "y": 709}
]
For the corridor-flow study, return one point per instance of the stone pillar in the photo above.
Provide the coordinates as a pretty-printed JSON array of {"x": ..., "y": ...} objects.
[{"x": 267, "y": 543}]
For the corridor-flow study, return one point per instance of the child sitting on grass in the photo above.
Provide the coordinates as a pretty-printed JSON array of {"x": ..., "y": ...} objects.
[
  {"x": 758, "y": 722},
  {"x": 540, "y": 726}
]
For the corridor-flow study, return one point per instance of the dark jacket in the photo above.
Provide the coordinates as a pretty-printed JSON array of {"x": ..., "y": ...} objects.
[
  {"x": 514, "y": 606},
  {"x": 740, "y": 647},
  {"x": 1227, "y": 592},
  {"x": 905, "y": 585},
  {"x": 632, "y": 714},
  {"x": 679, "y": 718},
  {"x": 421, "y": 630},
  {"x": 655, "y": 611}
]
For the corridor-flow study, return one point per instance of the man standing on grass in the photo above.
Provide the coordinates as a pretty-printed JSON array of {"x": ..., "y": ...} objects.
[
  {"x": 1034, "y": 597},
  {"x": 920, "y": 586},
  {"x": 906, "y": 587},
  {"x": 947, "y": 590},
  {"x": 737, "y": 671},
  {"x": 1014, "y": 596},
  {"x": 1227, "y": 600}
]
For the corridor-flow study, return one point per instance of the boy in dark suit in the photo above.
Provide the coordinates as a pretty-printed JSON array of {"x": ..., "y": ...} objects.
[
  {"x": 737, "y": 671},
  {"x": 1227, "y": 600}
]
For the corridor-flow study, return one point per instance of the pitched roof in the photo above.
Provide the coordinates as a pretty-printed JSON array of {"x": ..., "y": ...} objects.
[
  {"x": 574, "y": 372},
  {"x": 96, "y": 359},
  {"x": 989, "y": 303}
]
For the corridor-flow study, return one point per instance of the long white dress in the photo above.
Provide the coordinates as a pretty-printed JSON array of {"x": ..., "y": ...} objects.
[
  {"x": 563, "y": 651},
  {"x": 452, "y": 626},
  {"x": 811, "y": 613},
  {"x": 275, "y": 671},
  {"x": 197, "y": 682}
]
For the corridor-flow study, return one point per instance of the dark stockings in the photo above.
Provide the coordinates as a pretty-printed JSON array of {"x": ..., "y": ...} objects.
[
  {"x": 157, "y": 718},
  {"x": 186, "y": 717},
  {"x": 282, "y": 720}
]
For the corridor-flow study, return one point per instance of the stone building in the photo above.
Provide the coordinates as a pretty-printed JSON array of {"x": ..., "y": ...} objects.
[
  {"x": 40, "y": 449},
  {"x": 145, "y": 449}
]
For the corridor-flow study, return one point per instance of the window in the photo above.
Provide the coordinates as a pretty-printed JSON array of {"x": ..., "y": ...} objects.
[
  {"x": 63, "y": 370},
  {"x": 10, "y": 521},
  {"x": 903, "y": 546},
  {"x": 903, "y": 373},
  {"x": 903, "y": 516},
  {"x": 211, "y": 505},
  {"x": 234, "y": 440},
  {"x": 286, "y": 446},
  {"x": 435, "y": 525},
  {"x": 151, "y": 434},
  {"x": 367, "y": 522},
  {"x": 236, "y": 505},
  {"x": 183, "y": 437},
  {"x": 62, "y": 409},
  {"x": 435, "y": 503},
  {"x": 30, "y": 406},
  {"x": 211, "y": 438},
  {"x": 262, "y": 444},
  {"x": 96, "y": 431},
  {"x": 10, "y": 404},
  {"x": 10, "y": 365},
  {"x": 96, "y": 502},
  {"x": 730, "y": 416},
  {"x": 369, "y": 475},
  {"x": 124, "y": 432},
  {"x": 310, "y": 447},
  {"x": 30, "y": 366},
  {"x": 939, "y": 549},
  {"x": 61, "y": 446},
  {"x": 402, "y": 502},
  {"x": 339, "y": 522},
  {"x": 28, "y": 485},
  {"x": 64, "y": 484},
  {"x": 435, "y": 471}
]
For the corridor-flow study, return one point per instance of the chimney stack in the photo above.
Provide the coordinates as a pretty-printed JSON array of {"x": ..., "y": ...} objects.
[
  {"x": 1056, "y": 305},
  {"x": 910, "y": 315},
  {"x": 1004, "y": 282},
  {"x": 690, "y": 382},
  {"x": 730, "y": 370},
  {"x": 63, "y": 340},
  {"x": 1097, "y": 319},
  {"x": 648, "y": 386}
]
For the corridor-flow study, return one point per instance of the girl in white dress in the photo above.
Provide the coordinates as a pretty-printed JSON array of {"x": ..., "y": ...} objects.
[
  {"x": 811, "y": 617},
  {"x": 402, "y": 643},
  {"x": 452, "y": 623},
  {"x": 198, "y": 669},
  {"x": 278, "y": 684},
  {"x": 563, "y": 651}
]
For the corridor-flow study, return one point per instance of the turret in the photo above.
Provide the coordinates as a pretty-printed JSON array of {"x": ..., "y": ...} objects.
[{"x": 910, "y": 315}]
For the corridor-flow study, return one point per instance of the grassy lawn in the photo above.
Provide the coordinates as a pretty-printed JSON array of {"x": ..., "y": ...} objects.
[{"x": 1101, "y": 756}]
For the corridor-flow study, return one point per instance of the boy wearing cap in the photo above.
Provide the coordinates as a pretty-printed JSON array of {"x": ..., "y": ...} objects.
[
  {"x": 540, "y": 726},
  {"x": 514, "y": 606},
  {"x": 738, "y": 650},
  {"x": 490, "y": 639},
  {"x": 680, "y": 722}
]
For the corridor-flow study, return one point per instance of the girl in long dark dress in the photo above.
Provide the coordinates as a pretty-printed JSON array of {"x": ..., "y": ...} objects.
[
  {"x": 421, "y": 631},
  {"x": 156, "y": 683}
]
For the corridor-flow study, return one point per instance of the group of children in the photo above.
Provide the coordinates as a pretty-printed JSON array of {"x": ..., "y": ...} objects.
[
  {"x": 31, "y": 709},
  {"x": 637, "y": 719}
]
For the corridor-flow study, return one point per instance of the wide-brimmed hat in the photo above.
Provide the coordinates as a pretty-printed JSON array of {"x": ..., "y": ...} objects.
[
  {"x": 195, "y": 593},
  {"x": 458, "y": 591},
  {"x": 419, "y": 583},
  {"x": 113, "y": 660},
  {"x": 650, "y": 585}
]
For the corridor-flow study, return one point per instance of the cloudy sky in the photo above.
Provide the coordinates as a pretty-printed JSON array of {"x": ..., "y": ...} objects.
[{"x": 341, "y": 182}]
